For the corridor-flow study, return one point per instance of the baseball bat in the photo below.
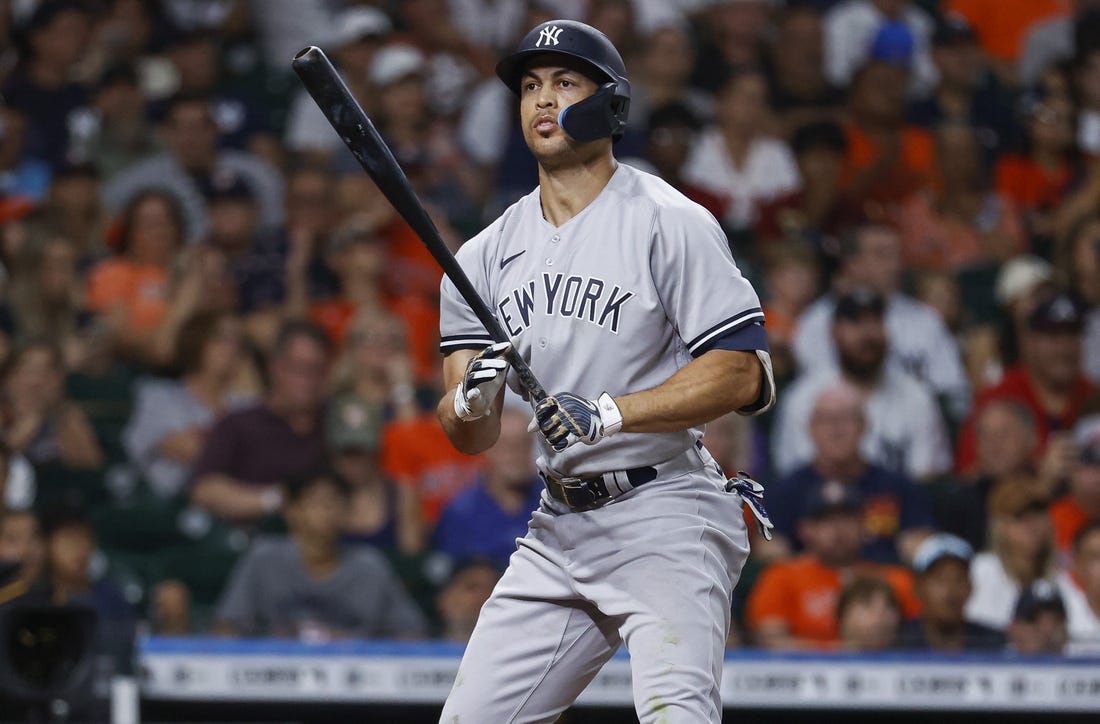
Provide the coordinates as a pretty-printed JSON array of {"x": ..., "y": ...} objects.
[{"x": 361, "y": 137}]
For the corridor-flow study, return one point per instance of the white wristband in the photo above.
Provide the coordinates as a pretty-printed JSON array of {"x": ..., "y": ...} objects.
[{"x": 610, "y": 413}]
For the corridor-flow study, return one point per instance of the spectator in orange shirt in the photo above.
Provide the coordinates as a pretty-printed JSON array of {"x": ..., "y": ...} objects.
[
  {"x": 361, "y": 261},
  {"x": 1081, "y": 503},
  {"x": 1037, "y": 179},
  {"x": 887, "y": 160},
  {"x": 131, "y": 288},
  {"x": 794, "y": 603},
  {"x": 961, "y": 223}
]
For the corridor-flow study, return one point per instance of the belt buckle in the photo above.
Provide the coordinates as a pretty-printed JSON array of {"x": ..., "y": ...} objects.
[{"x": 583, "y": 493}]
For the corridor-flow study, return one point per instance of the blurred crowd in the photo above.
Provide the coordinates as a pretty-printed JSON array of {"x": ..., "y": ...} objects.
[{"x": 218, "y": 343}]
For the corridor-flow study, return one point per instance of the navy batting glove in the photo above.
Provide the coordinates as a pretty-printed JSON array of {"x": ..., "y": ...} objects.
[{"x": 566, "y": 419}]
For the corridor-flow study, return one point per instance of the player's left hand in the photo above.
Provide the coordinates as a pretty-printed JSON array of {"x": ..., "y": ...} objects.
[{"x": 565, "y": 419}]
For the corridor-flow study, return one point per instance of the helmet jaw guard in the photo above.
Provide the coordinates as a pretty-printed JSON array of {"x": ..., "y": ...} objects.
[{"x": 602, "y": 114}]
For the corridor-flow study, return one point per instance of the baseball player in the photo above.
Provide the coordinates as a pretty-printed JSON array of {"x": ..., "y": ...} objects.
[{"x": 624, "y": 299}]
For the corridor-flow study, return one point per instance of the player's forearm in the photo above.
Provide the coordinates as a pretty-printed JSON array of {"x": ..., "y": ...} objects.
[
  {"x": 469, "y": 436},
  {"x": 706, "y": 388}
]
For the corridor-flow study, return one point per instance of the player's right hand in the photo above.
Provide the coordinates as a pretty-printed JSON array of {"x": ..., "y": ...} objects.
[{"x": 482, "y": 381}]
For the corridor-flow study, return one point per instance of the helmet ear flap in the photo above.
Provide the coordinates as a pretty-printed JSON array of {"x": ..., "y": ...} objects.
[{"x": 600, "y": 115}]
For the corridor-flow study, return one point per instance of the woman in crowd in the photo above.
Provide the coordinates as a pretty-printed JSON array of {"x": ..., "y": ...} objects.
[
  {"x": 171, "y": 417},
  {"x": 38, "y": 421}
]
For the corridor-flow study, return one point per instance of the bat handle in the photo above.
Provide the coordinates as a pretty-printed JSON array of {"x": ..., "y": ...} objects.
[{"x": 526, "y": 376}]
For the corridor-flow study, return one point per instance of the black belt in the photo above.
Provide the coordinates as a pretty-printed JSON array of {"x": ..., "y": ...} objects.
[{"x": 582, "y": 494}]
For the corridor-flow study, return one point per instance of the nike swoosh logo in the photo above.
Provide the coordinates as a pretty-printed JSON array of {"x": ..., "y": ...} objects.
[{"x": 509, "y": 260}]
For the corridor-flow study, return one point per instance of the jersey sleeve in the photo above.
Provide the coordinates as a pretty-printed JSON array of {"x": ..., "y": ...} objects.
[
  {"x": 459, "y": 327},
  {"x": 704, "y": 293}
]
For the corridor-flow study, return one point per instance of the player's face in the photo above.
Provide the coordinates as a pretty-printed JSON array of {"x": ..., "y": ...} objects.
[{"x": 545, "y": 90}]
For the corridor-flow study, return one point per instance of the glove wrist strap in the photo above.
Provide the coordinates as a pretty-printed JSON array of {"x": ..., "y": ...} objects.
[{"x": 610, "y": 413}]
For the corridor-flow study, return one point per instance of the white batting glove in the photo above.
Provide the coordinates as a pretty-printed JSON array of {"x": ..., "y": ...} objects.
[
  {"x": 565, "y": 419},
  {"x": 484, "y": 377}
]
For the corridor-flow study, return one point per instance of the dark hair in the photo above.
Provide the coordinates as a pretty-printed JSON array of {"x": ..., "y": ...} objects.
[
  {"x": 192, "y": 338},
  {"x": 64, "y": 516},
  {"x": 185, "y": 98},
  {"x": 820, "y": 135},
  {"x": 297, "y": 486},
  {"x": 672, "y": 114},
  {"x": 175, "y": 210},
  {"x": 865, "y": 589},
  {"x": 299, "y": 328}
]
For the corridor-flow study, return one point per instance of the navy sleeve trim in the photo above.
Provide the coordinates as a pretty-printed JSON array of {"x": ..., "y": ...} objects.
[
  {"x": 729, "y": 325},
  {"x": 464, "y": 341},
  {"x": 746, "y": 339}
]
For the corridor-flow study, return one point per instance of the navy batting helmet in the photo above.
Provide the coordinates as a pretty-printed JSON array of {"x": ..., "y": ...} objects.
[{"x": 602, "y": 114}]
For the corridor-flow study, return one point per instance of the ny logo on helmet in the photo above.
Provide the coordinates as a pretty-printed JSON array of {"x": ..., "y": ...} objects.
[{"x": 549, "y": 36}]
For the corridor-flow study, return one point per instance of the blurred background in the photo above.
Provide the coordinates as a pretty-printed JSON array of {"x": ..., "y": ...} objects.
[{"x": 219, "y": 362}]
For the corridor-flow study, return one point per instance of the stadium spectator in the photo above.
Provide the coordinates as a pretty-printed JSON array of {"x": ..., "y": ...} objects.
[
  {"x": 171, "y": 418},
  {"x": 1021, "y": 551},
  {"x": 1053, "y": 40},
  {"x": 21, "y": 546},
  {"x": 968, "y": 92},
  {"x": 377, "y": 367},
  {"x": 130, "y": 289},
  {"x": 905, "y": 431},
  {"x": 380, "y": 512},
  {"x": 43, "y": 87},
  {"x": 170, "y": 609},
  {"x": 663, "y": 68},
  {"x": 72, "y": 210},
  {"x": 39, "y": 421},
  {"x": 896, "y": 513},
  {"x": 801, "y": 94},
  {"x": 1038, "y": 178},
  {"x": 486, "y": 519},
  {"x": 887, "y": 159},
  {"x": 23, "y": 177},
  {"x": 1080, "y": 589},
  {"x": 309, "y": 585},
  {"x": 255, "y": 255},
  {"x": 793, "y": 604},
  {"x": 734, "y": 37},
  {"x": 959, "y": 222},
  {"x": 919, "y": 341},
  {"x": 792, "y": 277},
  {"x": 460, "y": 600},
  {"x": 868, "y": 616},
  {"x": 118, "y": 132},
  {"x": 737, "y": 160},
  {"x": 44, "y": 301},
  {"x": 70, "y": 541},
  {"x": 817, "y": 211},
  {"x": 242, "y": 124},
  {"x": 1079, "y": 262},
  {"x": 358, "y": 34},
  {"x": 360, "y": 259},
  {"x": 1048, "y": 380},
  {"x": 311, "y": 217},
  {"x": 850, "y": 31},
  {"x": 1038, "y": 622},
  {"x": 250, "y": 452},
  {"x": 189, "y": 163},
  {"x": 943, "y": 586},
  {"x": 670, "y": 132},
  {"x": 1081, "y": 503}
]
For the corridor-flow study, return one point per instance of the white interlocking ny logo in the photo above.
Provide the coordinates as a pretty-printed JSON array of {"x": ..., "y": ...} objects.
[{"x": 549, "y": 36}]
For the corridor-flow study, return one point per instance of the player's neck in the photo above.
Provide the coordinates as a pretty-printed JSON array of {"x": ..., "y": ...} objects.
[{"x": 568, "y": 190}]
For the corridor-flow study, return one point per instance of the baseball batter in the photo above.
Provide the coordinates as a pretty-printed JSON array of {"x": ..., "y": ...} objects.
[{"x": 623, "y": 297}]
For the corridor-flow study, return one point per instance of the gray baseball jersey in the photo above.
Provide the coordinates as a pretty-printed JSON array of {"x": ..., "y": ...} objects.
[{"x": 615, "y": 300}]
